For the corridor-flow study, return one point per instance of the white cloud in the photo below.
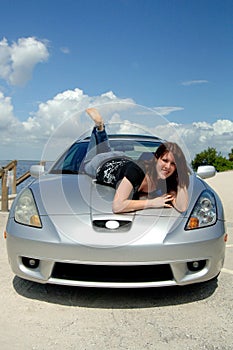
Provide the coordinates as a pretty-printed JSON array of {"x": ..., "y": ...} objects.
[
  {"x": 18, "y": 60},
  {"x": 194, "y": 82},
  {"x": 5, "y": 58},
  {"x": 65, "y": 50},
  {"x": 7, "y": 119},
  {"x": 167, "y": 110},
  {"x": 61, "y": 120},
  {"x": 202, "y": 125},
  {"x": 222, "y": 126},
  {"x": 200, "y": 136},
  {"x": 66, "y": 107}
]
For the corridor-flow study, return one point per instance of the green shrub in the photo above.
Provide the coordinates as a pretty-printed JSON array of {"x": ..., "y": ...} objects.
[{"x": 211, "y": 157}]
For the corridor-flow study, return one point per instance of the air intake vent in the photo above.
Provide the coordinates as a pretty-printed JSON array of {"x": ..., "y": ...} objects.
[
  {"x": 116, "y": 274},
  {"x": 112, "y": 225}
]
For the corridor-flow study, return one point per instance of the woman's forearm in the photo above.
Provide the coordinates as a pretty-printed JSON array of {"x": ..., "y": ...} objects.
[
  {"x": 129, "y": 205},
  {"x": 180, "y": 202},
  {"x": 123, "y": 204}
]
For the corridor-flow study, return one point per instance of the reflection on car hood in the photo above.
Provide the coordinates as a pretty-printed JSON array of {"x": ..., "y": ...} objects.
[{"x": 63, "y": 194}]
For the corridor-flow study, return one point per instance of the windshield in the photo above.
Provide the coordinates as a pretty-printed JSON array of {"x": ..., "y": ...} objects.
[{"x": 71, "y": 162}]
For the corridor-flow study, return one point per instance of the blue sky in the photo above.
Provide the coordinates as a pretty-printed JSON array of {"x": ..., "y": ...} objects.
[{"x": 173, "y": 56}]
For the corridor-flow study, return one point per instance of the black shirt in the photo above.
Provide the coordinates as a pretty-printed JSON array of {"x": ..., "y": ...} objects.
[
  {"x": 135, "y": 174},
  {"x": 113, "y": 171}
]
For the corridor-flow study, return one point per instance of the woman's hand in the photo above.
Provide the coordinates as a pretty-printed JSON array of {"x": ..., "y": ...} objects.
[{"x": 163, "y": 201}]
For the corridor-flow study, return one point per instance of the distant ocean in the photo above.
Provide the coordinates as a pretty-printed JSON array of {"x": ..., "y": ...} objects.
[{"x": 22, "y": 167}]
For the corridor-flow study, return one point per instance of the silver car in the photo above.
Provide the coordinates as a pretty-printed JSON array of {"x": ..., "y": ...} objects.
[{"x": 61, "y": 228}]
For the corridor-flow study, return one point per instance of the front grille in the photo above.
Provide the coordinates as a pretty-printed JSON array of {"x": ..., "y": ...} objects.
[{"x": 116, "y": 274}]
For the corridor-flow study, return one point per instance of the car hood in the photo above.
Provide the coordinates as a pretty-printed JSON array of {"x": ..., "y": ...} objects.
[
  {"x": 76, "y": 204},
  {"x": 72, "y": 195}
]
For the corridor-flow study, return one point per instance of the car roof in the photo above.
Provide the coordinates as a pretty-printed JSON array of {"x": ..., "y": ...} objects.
[{"x": 132, "y": 137}]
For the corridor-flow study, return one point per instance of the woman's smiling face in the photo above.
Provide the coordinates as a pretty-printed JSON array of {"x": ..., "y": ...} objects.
[{"x": 165, "y": 165}]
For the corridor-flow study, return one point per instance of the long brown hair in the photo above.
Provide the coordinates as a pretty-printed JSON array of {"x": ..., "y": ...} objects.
[{"x": 180, "y": 175}]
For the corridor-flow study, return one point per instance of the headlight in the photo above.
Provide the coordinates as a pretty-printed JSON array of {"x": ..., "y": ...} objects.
[
  {"x": 204, "y": 212},
  {"x": 26, "y": 211}
]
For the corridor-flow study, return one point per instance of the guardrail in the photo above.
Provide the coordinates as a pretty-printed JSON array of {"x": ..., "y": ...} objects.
[
  {"x": 6, "y": 181},
  {"x": 9, "y": 180}
]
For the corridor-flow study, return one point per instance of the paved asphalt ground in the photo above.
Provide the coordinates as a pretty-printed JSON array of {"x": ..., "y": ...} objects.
[{"x": 34, "y": 316}]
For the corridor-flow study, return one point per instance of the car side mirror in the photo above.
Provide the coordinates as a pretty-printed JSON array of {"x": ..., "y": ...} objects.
[
  {"x": 206, "y": 171},
  {"x": 37, "y": 170}
]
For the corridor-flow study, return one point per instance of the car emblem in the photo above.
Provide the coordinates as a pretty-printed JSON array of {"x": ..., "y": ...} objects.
[{"x": 112, "y": 224}]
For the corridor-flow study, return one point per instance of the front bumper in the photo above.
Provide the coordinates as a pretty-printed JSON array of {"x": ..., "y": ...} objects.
[{"x": 136, "y": 265}]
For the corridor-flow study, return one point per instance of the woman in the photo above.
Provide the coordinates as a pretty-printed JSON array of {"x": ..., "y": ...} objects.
[{"x": 161, "y": 181}]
